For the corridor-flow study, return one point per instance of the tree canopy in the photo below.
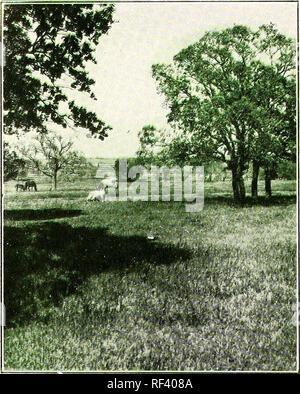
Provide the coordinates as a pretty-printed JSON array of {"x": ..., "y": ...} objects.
[
  {"x": 13, "y": 165},
  {"x": 47, "y": 48},
  {"x": 52, "y": 154},
  {"x": 232, "y": 96}
]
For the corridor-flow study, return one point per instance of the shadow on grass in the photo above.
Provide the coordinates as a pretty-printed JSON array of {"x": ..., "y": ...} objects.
[
  {"x": 46, "y": 262},
  {"x": 40, "y": 214},
  {"x": 61, "y": 194},
  {"x": 250, "y": 202}
]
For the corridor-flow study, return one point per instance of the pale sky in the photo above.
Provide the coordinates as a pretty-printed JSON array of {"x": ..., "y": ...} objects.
[{"x": 148, "y": 33}]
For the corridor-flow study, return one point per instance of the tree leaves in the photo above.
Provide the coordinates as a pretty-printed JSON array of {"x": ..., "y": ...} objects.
[
  {"x": 45, "y": 45},
  {"x": 50, "y": 153},
  {"x": 233, "y": 91},
  {"x": 13, "y": 165}
]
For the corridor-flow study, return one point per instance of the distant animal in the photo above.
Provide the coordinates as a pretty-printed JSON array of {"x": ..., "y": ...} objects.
[
  {"x": 30, "y": 185},
  {"x": 96, "y": 195},
  {"x": 20, "y": 185}
]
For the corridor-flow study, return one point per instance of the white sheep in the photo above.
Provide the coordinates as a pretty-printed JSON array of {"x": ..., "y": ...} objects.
[
  {"x": 99, "y": 194},
  {"x": 96, "y": 195}
]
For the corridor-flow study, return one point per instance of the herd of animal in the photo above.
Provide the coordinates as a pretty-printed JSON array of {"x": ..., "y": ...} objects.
[
  {"x": 26, "y": 185},
  {"x": 95, "y": 195}
]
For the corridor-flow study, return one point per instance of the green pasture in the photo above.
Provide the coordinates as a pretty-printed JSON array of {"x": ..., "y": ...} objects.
[{"x": 147, "y": 286}]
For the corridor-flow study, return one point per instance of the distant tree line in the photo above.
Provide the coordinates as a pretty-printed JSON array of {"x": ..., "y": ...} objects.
[{"x": 50, "y": 155}]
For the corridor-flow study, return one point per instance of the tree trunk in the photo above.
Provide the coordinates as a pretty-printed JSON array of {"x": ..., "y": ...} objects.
[
  {"x": 242, "y": 189},
  {"x": 238, "y": 186},
  {"x": 255, "y": 173},
  {"x": 235, "y": 185},
  {"x": 268, "y": 188},
  {"x": 54, "y": 181}
]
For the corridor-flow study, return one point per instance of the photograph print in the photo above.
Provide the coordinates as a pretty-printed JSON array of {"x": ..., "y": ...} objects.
[{"x": 149, "y": 182}]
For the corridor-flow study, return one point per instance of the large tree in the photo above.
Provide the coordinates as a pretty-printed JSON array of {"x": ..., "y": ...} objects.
[
  {"x": 224, "y": 93},
  {"x": 47, "y": 48}
]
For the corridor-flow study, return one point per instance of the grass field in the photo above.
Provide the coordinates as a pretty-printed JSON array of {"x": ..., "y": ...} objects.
[{"x": 85, "y": 289}]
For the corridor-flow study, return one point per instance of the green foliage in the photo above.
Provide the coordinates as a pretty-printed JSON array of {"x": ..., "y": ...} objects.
[
  {"x": 215, "y": 171},
  {"x": 162, "y": 148},
  {"x": 287, "y": 170},
  {"x": 131, "y": 162},
  {"x": 232, "y": 96},
  {"x": 147, "y": 137},
  {"x": 150, "y": 140},
  {"x": 13, "y": 165},
  {"x": 77, "y": 167},
  {"x": 51, "y": 155},
  {"x": 86, "y": 290},
  {"x": 47, "y": 49}
]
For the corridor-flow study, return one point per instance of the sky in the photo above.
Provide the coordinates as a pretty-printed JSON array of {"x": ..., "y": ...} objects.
[{"x": 149, "y": 33}]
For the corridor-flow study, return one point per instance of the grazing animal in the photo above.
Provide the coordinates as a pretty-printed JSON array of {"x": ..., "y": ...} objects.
[
  {"x": 96, "y": 195},
  {"x": 30, "y": 185},
  {"x": 20, "y": 185}
]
